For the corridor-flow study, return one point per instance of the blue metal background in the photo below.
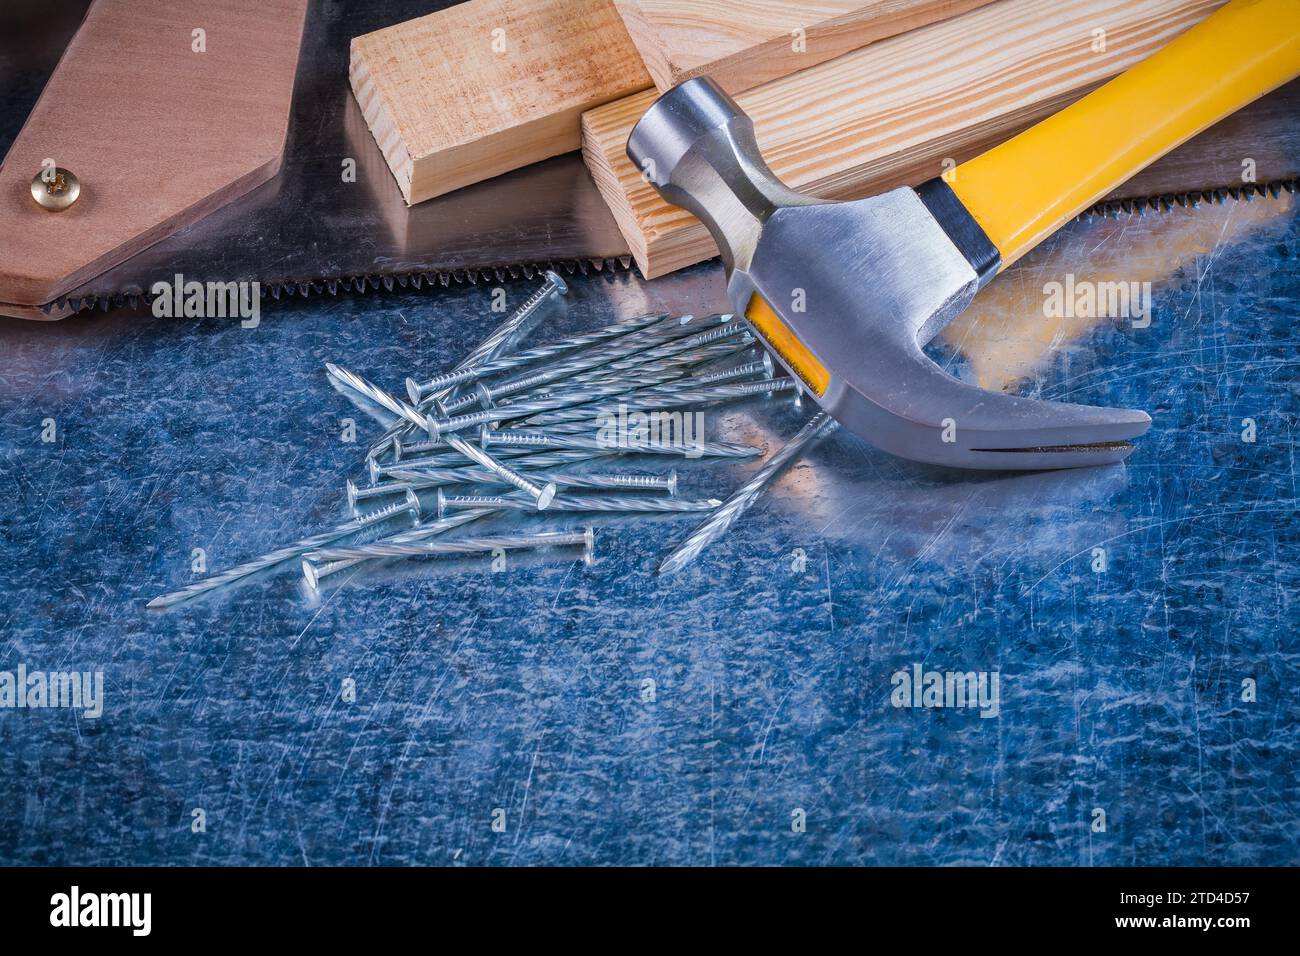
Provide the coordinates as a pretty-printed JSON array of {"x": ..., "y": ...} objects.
[{"x": 523, "y": 690}]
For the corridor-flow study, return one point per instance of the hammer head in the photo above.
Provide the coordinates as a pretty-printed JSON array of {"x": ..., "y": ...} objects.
[{"x": 847, "y": 294}]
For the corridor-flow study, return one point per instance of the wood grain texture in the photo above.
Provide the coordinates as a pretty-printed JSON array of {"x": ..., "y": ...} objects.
[
  {"x": 745, "y": 43},
  {"x": 488, "y": 86},
  {"x": 891, "y": 113},
  {"x": 160, "y": 135}
]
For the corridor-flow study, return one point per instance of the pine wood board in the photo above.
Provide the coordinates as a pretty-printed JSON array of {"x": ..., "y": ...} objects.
[
  {"x": 488, "y": 86},
  {"x": 891, "y": 113},
  {"x": 159, "y": 135},
  {"x": 741, "y": 44}
]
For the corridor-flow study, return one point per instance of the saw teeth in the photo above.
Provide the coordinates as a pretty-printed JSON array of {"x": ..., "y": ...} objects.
[{"x": 1245, "y": 192}]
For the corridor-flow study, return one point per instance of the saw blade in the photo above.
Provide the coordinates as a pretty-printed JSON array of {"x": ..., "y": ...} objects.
[{"x": 314, "y": 229}]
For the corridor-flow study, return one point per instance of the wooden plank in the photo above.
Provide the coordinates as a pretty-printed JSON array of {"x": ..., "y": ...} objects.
[
  {"x": 745, "y": 43},
  {"x": 159, "y": 134},
  {"x": 488, "y": 86},
  {"x": 892, "y": 113}
]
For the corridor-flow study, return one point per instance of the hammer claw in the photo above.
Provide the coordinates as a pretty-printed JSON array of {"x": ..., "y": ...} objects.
[{"x": 909, "y": 406}]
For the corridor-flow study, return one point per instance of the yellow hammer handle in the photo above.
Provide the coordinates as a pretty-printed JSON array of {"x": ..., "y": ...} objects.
[{"x": 1024, "y": 190}]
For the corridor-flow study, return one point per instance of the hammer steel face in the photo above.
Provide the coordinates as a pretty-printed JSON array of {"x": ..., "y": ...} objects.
[{"x": 846, "y": 294}]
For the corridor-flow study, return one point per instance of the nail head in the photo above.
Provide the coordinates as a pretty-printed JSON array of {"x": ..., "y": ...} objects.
[
  {"x": 559, "y": 283},
  {"x": 546, "y": 497}
]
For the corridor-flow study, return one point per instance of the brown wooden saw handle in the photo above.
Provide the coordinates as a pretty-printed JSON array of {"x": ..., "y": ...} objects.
[{"x": 165, "y": 111}]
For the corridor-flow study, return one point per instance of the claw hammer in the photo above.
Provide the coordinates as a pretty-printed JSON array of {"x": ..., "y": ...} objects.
[{"x": 876, "y": 279}]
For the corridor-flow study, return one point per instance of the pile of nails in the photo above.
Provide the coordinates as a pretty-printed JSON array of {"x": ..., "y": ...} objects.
[{"x": 512, "y": 429}]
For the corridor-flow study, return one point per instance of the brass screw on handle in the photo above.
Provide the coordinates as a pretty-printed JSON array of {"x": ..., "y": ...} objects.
[{"x": 55, "y": 189}]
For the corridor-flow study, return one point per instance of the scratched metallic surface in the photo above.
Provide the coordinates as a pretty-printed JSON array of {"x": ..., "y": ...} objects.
[{"x": 771, "y": 657}]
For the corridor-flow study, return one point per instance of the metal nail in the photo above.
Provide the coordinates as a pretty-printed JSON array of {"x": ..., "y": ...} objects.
[
  {"x": 679, "y": 392},
  {"x": 544, "y": 539},
  {"x": 489, "y": 348},
  {"x": 541, "y": 494},
  {"x": 551, "y": 293},
  {"x": 422, "y": 533},
  {"x": 819, "y": 425},
  {"x": 658, "y": 397},
  {"x": 539, "y": 439},
  {"x": 410, "y": 504},
  {"x": 646, "y": 345},
  {"x": 663, "y": 328},
  {"x": 378, "y": 395},
  {"x": 762, "y": 367},
  {"x": 470, "y": 373},
  {"x": 637, "y": 373},
  {"x": 566, "y": 502},
  {"x": 317, "y": 565},
  {"x": 424, "y": 480},
  {"x": 522, "y": 459}
]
